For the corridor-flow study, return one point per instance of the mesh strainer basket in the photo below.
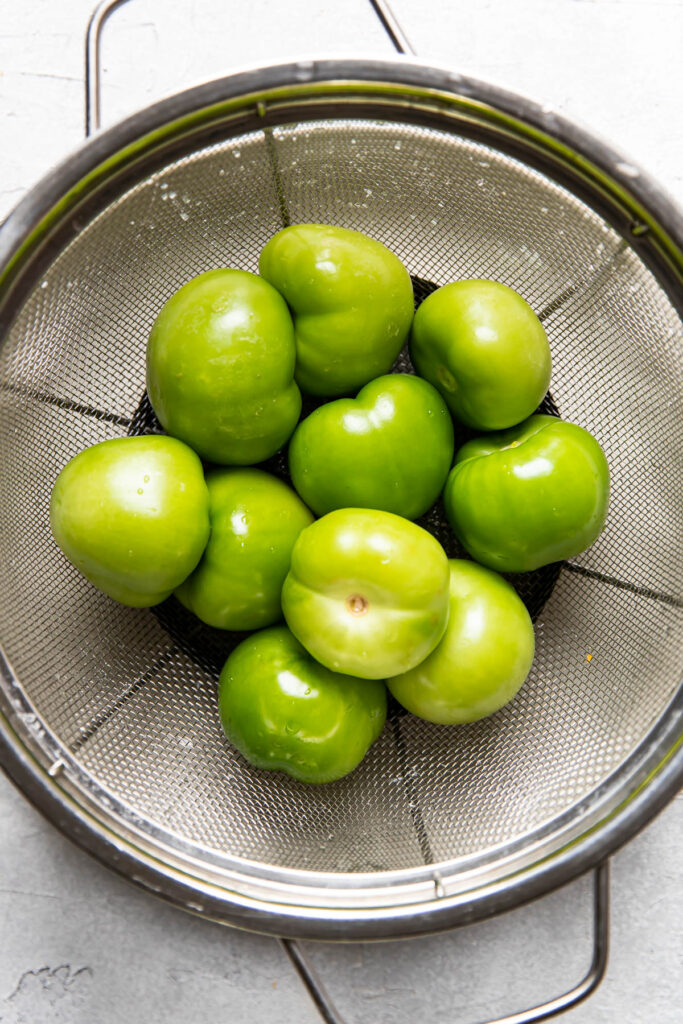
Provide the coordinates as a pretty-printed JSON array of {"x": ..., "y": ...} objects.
[{"x": 108, "y": 715}]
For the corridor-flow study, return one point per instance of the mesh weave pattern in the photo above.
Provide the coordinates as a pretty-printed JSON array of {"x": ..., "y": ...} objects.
[{"x": 138, "y": 709}]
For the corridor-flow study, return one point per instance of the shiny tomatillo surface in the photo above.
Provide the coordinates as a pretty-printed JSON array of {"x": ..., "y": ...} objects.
[
  {"x": 485, "y": 350},
  {"x": 255, "y": 520},
  {"x": 367, "y": 592},
  {"x": 352, "y": 302},
  {"x": 528, "y": 496},
  {"x": 282, "y": 710},
  {"x": 132, "y": 514},
  {"x": 220, "y": 367},
  {"x": 390, "y": 448},
  {"x": 484, "y": 655}
]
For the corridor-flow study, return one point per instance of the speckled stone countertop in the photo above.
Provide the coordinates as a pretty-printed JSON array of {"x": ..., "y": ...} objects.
[{"x": 79, "y": 945}]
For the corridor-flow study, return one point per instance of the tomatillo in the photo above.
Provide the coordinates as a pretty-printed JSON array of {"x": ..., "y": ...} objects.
[
  {"x": 485, "y": 349},
  {"x": 132, "y": 514},
  {"x": 367, "y": 592},
  {"x": 220, "y": 367},
  {"x": 352, "y": 301},
  {"x": 255, "y": 520},
  {"x": 484, "y": 657},
  {"x": 528, "y": 496},
  {"x": 284, "y": 711},
  {"x": 390, "y": 448}
]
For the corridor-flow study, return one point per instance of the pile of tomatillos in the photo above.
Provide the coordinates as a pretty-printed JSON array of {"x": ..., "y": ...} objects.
[{"x": 368, "y": 596}]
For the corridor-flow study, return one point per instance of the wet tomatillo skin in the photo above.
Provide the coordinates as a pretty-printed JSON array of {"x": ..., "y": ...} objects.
[
  {"x": 284, "y": 711},
  {"x": 483, "y": 658},
  {"x": 528, "y": 496},
  {"x": 352, "y": 302},
  {"x": 390, "y": 448},
  {"x": 483, "y": 347},
  {"x": 220, "y": 367},
  {"x": 132, "y": 514},
  {"x": 255, "y": 520},
  {"x": 367, "y": 592}
]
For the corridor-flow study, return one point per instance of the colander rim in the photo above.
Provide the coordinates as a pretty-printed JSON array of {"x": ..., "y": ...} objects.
[{"x": 15, "y": 754}]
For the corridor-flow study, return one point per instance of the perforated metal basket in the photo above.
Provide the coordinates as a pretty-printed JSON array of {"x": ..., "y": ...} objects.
[{"x": 109, "y": 719}]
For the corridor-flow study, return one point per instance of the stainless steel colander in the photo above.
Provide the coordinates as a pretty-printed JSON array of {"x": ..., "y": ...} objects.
[{"x": 108, "y": 715}]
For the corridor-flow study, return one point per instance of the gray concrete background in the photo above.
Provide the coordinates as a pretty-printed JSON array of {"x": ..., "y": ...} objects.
[{"x": 79, "y": 945}]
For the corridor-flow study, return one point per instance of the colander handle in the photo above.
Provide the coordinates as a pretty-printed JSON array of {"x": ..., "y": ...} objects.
[
  {"x": 93, "y": 63},
  {"x": 104, "y": 10},
  {"x": 587, "y": 985}
]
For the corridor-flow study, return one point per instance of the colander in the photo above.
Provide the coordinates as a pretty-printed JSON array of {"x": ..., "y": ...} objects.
[{"x": 108, "y": 717}]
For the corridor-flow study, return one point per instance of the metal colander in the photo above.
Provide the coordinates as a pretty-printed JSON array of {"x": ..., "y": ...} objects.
[{"x": 110, "y": 720}]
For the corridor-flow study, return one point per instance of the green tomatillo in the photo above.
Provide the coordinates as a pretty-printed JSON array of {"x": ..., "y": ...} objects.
[
  {"x": 255, "y": 520},
  {"x": 367, "y": 592},
  {"x": 484, "y": 657},
  {"x": 528, "y": 496},
  {"x": 352, "y": 301},
  {"x": 390, "y": 448},
  {"x": 220, "y": 367},
  {"x": 284, "y": 711},
  {"x": 485, "y": 349},
  {"x": 132, "y": 514}
]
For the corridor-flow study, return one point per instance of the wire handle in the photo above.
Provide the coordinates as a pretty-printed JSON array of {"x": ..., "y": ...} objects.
[
  {"x": 543, "y": 1011},
  {"x": 104, "y": 10},
  {"x": 93, "y": 63}
]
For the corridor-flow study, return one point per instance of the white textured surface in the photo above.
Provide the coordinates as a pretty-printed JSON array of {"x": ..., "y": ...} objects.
[{"x": 80, "y": 946}]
